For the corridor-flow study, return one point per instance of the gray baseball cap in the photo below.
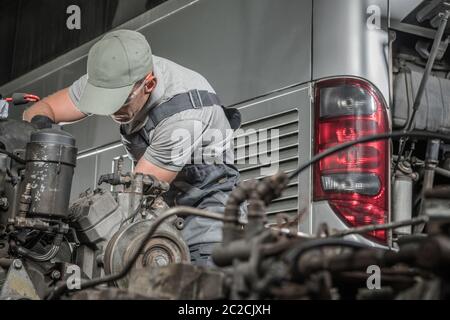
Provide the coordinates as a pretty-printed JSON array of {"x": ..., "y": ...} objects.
[{"x": 115, "y": 63}]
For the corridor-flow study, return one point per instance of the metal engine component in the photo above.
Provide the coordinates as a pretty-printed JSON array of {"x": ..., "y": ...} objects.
[
  {"x": 50, "y": 161},
  {"x": 110, "y": 225},
  {"x": 101, "y": 230},
  {"x": 96, "y": 216},
  {"x": 35, "y": 182},
  {"x": 403, "y": 195},
  {"x": 164, "y": 248},
  {"x": 402, "y": 202},
  {"x": 14, "y": 135},
  {"x": 179, "y": 282},
  {"x": 129, "y": 189},
  {"x": 18, "y": 284},
  {"x": 3, "y": 174}
]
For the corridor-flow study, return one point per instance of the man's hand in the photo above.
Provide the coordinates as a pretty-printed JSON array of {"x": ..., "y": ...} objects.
[
  {"x": 58, "y": 107},
  {"x": 146, "y": 167},
  {"x": 42, "y": 122}
]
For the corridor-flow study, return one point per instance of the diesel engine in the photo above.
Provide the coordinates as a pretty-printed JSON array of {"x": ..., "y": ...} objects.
[{"x": 45, "y": 241}]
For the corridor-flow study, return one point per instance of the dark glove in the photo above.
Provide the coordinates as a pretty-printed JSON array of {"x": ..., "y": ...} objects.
[{"x": 42, "y": 122}]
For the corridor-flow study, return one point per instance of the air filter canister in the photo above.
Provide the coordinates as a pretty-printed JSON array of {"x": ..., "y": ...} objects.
[{"x": 50, "y": 162}]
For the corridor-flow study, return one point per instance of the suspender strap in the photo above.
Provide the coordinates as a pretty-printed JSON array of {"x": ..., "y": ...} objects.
[{"x": 194, "y": 99}]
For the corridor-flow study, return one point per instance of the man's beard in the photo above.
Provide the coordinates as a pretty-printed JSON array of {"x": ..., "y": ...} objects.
[
  {"x": 123, "y": 121},
  {"x": 134, "y": 114},
  {"x": 127, "y": 118}
]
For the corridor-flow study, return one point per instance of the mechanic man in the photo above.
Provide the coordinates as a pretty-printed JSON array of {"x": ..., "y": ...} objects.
[{"x": 152, "y": 98}]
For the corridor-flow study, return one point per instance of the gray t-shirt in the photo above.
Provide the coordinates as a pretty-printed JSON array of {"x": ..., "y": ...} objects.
[{"x": 196, "y": 135}]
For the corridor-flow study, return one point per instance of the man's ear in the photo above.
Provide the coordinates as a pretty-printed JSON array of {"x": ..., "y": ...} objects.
[{"x": 151, "y": 84}]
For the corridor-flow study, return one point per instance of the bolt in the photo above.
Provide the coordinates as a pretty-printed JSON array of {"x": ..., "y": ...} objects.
[
  {"x": 17, "y": 264},
  {"x": 99, "y": 260},
  {"x": 179, "y": 223},
  {"x": 405, "y": 167},
  {"x": 56, "y": 275},
  {"x": 161, "y": 261}
]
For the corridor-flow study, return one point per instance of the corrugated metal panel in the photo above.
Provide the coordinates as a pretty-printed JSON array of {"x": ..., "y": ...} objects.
[
  {"x": 277, "y": 112},
  {"x": 287, "y": 124},
  {"x": 434, "y": 111}
]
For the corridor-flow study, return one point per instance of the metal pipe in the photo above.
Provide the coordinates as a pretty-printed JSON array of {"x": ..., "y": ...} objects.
[
  {"x": 231, "y": 229},
  {"x": 402, "y": 200},
  {"x": 442, "y": 172},
  {"x": 431, "y": 162},
  {"x": 392, "y": 225},
  {"x": 50, "y": 254}
]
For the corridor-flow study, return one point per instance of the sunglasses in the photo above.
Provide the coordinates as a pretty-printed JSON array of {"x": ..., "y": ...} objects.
[{"x": 134, "y": 93}]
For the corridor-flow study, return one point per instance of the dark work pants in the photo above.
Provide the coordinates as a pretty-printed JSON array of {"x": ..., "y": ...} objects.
[{"x": 201, "y": 254}]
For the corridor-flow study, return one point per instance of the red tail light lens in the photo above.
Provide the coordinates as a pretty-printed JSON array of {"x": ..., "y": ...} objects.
[{"x": 354, "y": 181}]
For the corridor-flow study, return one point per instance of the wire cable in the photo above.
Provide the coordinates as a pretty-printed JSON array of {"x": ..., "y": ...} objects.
[
  {"x": 13, "y": 156},
  {"x": 134, "y": 214},
  {"x": 385, "y": 226}
]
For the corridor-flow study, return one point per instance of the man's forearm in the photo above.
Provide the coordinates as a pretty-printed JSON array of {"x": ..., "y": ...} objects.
[{"x": 39, "y": 108}]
